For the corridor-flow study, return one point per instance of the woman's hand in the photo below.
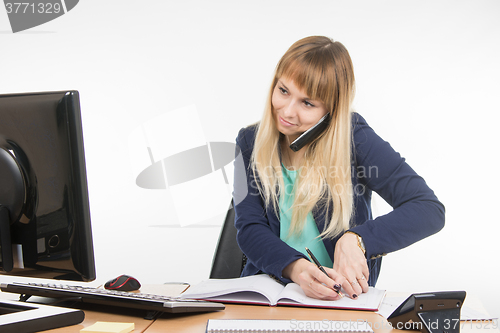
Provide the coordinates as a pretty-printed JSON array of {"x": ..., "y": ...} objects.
[
  {"x": 313, "y": 281},
  {"x": 350, "y": 262}
]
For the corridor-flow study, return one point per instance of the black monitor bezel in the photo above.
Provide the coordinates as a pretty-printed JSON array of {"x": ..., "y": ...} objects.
[{"x": 69, "y": 120}]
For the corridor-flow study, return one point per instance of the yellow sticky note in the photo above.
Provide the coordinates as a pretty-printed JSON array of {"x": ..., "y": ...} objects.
[{"x": 108, "y": 327}]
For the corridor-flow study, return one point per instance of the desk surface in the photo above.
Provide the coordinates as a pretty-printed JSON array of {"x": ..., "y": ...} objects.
[
  {"x": 194, "y": 323},
  {"x": 197, "y": 323}
]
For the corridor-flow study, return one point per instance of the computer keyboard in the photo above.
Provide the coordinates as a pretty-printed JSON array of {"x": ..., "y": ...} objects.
[{"x": 111, "y": 297}]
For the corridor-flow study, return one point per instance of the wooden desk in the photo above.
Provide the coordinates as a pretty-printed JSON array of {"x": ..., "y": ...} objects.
[
  {"x": 197, "y": 323},
  {"x": 93, "y": 314},
  {"x": 194, "y": 323}
]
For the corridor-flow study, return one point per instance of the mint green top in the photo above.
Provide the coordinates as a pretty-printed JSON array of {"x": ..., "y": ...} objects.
[{"x": 309, "y": 235}]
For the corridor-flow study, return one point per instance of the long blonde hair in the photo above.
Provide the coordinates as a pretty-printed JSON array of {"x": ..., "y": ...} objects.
[{"x": 323, "y": 69}]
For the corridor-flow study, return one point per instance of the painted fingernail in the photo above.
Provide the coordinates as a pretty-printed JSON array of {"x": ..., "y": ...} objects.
[
  {"x": 354, "y": 296},
  {"x": 336, "y": 287}
]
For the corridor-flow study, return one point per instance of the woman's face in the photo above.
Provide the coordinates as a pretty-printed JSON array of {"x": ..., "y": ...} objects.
[{"x": 294, "y": 112}]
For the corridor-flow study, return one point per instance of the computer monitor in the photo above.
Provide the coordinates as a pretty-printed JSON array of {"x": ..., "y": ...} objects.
[{"x": 45, "y": 229}]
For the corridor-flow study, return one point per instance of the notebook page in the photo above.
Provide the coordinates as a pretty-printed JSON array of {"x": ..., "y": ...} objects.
[
  {"x": 366, "y": 301},
  {"x": 256, "y": 325},
  {"x": 238, "y": 287}
]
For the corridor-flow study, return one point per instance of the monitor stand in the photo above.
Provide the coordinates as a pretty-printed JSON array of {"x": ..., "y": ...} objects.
[
  {"x": 6, "y": 260},
  {"x": 21, "y": 317}
]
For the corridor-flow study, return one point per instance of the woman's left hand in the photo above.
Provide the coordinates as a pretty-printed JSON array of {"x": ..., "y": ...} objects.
[{"x": 350, "y": 262}]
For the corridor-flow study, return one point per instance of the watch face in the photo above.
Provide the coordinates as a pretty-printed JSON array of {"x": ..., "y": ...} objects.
[{"x": 361, "y": 243}]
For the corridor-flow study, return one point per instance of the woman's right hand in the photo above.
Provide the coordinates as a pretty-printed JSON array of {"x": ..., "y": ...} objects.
[{"x": 313, "y": 281}]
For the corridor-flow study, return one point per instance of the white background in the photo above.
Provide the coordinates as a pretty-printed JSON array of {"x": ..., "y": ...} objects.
[{"x": 427, "y": 81}]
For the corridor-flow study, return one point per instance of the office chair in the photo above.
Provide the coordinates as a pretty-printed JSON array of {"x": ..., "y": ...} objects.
[{"x": 228, "y": 261}]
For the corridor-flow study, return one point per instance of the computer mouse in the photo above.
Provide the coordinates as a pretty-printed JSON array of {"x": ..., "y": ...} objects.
[{"x": 123, "y": 283}]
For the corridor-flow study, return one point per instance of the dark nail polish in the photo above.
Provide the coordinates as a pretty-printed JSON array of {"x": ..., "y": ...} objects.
[
  {"x": 354, "y": 296},
  {"x": 336, "y": 287}
]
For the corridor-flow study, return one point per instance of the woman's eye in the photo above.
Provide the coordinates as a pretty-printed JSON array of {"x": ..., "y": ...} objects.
[
  {"x": 307, "y": 103},
  {"x": 283, "y": 90}
]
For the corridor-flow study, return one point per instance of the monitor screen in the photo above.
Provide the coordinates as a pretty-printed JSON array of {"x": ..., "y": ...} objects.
[{"x": 45, "y": 229}]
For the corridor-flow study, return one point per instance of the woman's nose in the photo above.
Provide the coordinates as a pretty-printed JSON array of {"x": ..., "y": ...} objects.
[{"x": 289, "y": 109}]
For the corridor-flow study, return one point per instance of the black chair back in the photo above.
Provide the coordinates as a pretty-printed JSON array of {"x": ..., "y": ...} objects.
[{"x": 228, "y": 261}]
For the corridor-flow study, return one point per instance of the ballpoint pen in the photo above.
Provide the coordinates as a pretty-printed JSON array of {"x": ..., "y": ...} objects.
[{"x": 314, "y": 260}]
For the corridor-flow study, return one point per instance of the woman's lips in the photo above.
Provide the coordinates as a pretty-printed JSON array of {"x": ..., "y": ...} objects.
[{"x": 284, "y": 122}]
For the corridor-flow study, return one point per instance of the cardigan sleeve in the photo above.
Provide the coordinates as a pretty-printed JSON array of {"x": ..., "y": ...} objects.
[
  {"x": 256, "y": 236},
  {"x": 416, "y": 214}
]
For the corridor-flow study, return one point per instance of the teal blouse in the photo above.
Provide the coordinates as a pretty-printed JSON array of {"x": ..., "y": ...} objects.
[{"x": 309, "y": 235}]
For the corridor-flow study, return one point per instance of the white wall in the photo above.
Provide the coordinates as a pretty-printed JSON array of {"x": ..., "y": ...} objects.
[{"x": 427, "y": 81}]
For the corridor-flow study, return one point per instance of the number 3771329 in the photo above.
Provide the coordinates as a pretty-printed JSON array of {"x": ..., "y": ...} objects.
[{"x": 33, "y": 8}]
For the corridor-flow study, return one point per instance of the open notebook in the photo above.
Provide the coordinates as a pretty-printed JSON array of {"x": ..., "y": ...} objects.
[{"x": 262, "y": 289}]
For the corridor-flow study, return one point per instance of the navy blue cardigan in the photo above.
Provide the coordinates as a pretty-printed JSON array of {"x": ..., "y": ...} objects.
[{"x": 417, "y": 213}]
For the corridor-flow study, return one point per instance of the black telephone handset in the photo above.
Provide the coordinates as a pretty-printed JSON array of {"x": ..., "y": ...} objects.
[{"x": 311, "y": 133}]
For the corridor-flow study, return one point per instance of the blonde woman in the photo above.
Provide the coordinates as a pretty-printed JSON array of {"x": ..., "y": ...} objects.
[{"x": 316, "y": 192}]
